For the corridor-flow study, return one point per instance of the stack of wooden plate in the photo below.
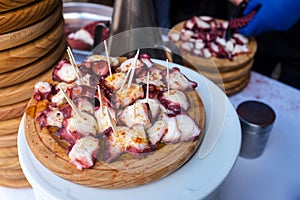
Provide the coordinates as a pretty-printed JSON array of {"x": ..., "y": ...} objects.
[
  {"x": 32, "y": 42},
  {"x": 230, "y": 75}
]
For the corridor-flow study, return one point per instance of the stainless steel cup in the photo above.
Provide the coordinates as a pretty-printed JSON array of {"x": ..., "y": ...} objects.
[{"x": 257, "y": 121}]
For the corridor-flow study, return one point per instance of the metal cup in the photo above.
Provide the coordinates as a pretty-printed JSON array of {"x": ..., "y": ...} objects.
[{"x": 257, "y": 121}]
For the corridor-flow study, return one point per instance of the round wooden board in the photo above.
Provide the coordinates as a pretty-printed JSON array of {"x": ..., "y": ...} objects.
[
  {"x": 22, "y": 36},
  {"x": 235, "y": 83},
  {"x": 10, "y": 163},
  {"x": 6, "y": 5},
  {"x": 9, "y": 127},
  {"x": 33, "y": 69},
  {"x": 238, "y": 88},
  {"x": 20, "y": 56},
  {"x": 14, "y": 183},
  {"x": 9, "y": 140},
  {"x": 223, "y": 65},
  {"x": 8, "y": 152},
  {"x": 124, "y": 173},
  {"x": 12, "y": 111},
  {"x": 22, "y": 91},
  {"x": 27, "y": 15},
  {"x": 230, "y": 75},
  {"x": 11, "y": 174}
]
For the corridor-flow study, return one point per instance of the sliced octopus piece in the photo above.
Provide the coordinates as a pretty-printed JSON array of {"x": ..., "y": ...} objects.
[
  {"x": 174, "y": 100},
  {"x": 83, "y": 153},
  {"x": 154, "y": 106},
  {"x": 84, "y": 104},
  {"x": 85, "y": 123},
  {"x": 128, "y": 95},
  {"x": 179, "y": 81},
  {"x": 137, "y": 142},
  {"x": 83, "y": 90},
  {"x": 64, "y": 72},
  {"x": 115, "y": 143},
  {"x": 50, "y": 117},
  {"x": 43, "y": 91},
  {"x": 114, "y": 81},
  {"x": 157, "y": 131},
  {"x": 137, "y": 113},
  {"x": 103, "y": 120},
  {"x": 59, "y": 98},
  {"x": 188, "y": 128},
  {"x": 126, "y": 65},
  {"x": 173, "y": 134},
  {"x": 93, "y": 58}
]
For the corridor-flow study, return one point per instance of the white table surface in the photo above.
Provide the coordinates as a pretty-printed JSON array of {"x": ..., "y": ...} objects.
[{"x": 276, "y": 174}]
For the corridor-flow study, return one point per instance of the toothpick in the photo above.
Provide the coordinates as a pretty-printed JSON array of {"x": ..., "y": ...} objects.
[
  {"x": 168, "y": 76},
  {"x": 112, "y": 123},
  {"x": 133, "y": 68},
  {"x": 73, "y": 64},
  {"x": 70, "y": 102},
  {"x": 126, "y": 77},
  {"x": 147, "y": 88},
  {"x": 100, "y": 98},
  {"x": 107, "y": 57}
]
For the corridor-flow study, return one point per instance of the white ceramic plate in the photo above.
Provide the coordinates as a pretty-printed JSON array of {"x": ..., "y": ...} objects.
[{"x": 194, "y": 180}]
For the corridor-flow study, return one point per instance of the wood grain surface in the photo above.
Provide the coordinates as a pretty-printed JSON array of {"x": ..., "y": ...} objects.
[
  {"x": 6, "y": 5},
  {"x": 10, "y": 163},
  {"x": 11, "y": 174},
  {"x": 7, "y": 152},
  {"x": 9, "y": 127},
  {"x": 22, "y": 36},
  {"x": 12, "y": 111},
  {"x": 232, "y": 84},
  {"x": 238, "y": 88},
  {"x": 27, "y": 54},
  {"x": 123, "y": 173},
  {"x": 14, "y": 183},
  {"x": 222, "y": 65},
  {"x": 9, "y": 140},
  {"x": 230, "y": 75},
  {"x": 22, "y": 91},
  {"x": 27, "y": 15}
]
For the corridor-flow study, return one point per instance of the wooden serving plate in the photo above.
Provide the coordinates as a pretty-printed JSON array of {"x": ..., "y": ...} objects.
[
  {"x": 6, "y": 5},
  {"x": 222, "y": 65},
  {"x": 22, "y": 36},
  {"x": 10, "y": 163},
  {"x": 27, "y": 54},
  {"x": 8, "y": 141},
  {"x": 9, "y": 127},
  {"x": 238, "y": 88},
  {"x": 7, "y": 152},
  {"x": 22, "y": 91},
  {"x": 125, "y": 172},
  {"x": 121, "y": 173},
  {"x": 14, "y": 183},
  {"x": 27, "y": 15},
  {"x": 13, "y": 174},
  {"x": 230, "y": 75},
  {"x": 235, "y": 83},
  {"x": 13, "y": 111}
]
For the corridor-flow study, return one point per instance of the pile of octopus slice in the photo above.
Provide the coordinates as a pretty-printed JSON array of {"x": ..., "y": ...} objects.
[
  {"x": 144, "y": 115},
  {"x": 204, "y": 36}
]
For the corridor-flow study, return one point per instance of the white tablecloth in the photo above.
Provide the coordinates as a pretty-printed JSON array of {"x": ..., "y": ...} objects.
[{"x": 276, "y": 174}]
